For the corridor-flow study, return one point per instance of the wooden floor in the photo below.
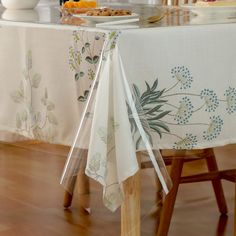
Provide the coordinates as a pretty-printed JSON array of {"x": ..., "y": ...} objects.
[{"x": 31, "y": 199}]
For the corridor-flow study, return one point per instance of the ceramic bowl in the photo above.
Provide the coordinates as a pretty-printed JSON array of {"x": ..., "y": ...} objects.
[
  {"x": 21, "y": 15},
  {"x": 19, "y": 4}
]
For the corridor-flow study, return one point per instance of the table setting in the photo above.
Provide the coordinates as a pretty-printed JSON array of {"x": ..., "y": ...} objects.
[
  {"x": 212, "y": 11},
  {"x": 153, "y": 78}
]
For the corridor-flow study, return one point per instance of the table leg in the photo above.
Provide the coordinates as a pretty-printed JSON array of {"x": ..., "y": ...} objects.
[
  {"x": 81, "y": 182},
  {"x": 83, "y": 186},
  {"x": 130, "y": 209},
  {"x": 159, "y": 201},
  {"x": 69, "y": 195}
]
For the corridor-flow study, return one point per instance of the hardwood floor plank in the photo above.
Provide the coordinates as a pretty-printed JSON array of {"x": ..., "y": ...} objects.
[{"x": 31, "y": 199}]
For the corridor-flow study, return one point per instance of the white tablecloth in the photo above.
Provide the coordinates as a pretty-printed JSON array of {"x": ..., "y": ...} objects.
[
  {"x": 159, "y": 88},
  {"x": 169, "y": 87},
  {"x": 45, "y": 78}
]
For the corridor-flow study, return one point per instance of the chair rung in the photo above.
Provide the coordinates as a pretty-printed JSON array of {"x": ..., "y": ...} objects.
[
  {"x": 229, "y": 175},
  {"x": 168, "y": 160},
  {"x": 209, "y": 176}
]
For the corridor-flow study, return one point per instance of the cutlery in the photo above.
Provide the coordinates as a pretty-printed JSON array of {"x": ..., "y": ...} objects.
[{"x": 156, "y": 18}]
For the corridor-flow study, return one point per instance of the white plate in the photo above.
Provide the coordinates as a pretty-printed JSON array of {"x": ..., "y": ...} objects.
[
  {"x": 212, "y": 11},
  {"x": 211, "y": 20},
  {"x": 98, "y": 19}
]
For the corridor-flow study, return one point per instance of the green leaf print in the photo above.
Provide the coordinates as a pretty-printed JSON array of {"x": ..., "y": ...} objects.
[
  {"x": 89, "y": 59},
  {"x": 95, "y": 59},
  {"x": 83, "y": 50},
  {"x": 52, "y": 118},
  {"x": 30, "y": 122},
  {"x": 149, "y": 106},
  {"x": 36, "y": 80}
]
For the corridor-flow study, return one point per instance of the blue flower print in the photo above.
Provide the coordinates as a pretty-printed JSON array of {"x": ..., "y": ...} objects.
[
  {"x": 214, "y": 128},
  {"x": 186, "y": 143},
  {"x": 183, "y": 76},
  {"x": 184, "y": 111},
  {"x": 230, "y": 95},
  {"x": 210, "y": 98}
]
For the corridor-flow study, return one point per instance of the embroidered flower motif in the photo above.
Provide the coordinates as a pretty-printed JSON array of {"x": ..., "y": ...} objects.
[
  {"x": 94, "y": 164},
  {"x": 91, "y": 74},
  {"x": 97, "y": 168},
  {"x": 76, "y": 36},
  {"x": 109, "y": 200},
  {"x": 214, "y": 128},
  {"x": 184, "y": 111},
  {"x": 182, "y": 74},
  {"x": 186, "y": 143},
  {"x": 113, "y": 198},
  {"x": 230, "y": 95},
  {"x": 210, "y": 98}
]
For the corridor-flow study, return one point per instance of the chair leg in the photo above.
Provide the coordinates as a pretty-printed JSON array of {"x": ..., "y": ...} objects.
[
  {"x": 222, "y": 224},
  {"x": 168, "y": 205},
  {"x": 68, "y": 196},
  {"x": 83, "y": 189},
  {"x": 235, "y": 211},
  {"x": 81, "y": 180},
  {"x": 216, "y": 183}
]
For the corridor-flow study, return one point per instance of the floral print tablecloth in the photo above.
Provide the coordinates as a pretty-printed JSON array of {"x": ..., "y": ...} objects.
[
  {"x": 128, "y": 90},
  {"x": 163, "y": 88},
  {"x": 45, "y": 76}
]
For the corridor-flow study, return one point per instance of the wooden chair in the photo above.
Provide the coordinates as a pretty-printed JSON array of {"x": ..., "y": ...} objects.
[
  {"x": 177, "y": 160},
  {"x": 230, "y": 175}
]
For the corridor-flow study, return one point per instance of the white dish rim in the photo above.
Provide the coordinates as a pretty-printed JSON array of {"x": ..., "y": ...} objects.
[
  {"x": 207, "y": 8},
  {"x": 105, "y": 18}
]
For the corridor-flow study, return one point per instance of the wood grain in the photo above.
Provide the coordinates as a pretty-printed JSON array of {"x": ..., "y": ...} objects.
[
  {"x": 31, "y": 198},
  {"x": 169, "y": 201},
  {"x": 130, "y": 209}
]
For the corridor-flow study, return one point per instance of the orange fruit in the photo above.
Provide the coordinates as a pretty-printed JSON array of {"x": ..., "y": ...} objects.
[{"x": 80, "y": 4}]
